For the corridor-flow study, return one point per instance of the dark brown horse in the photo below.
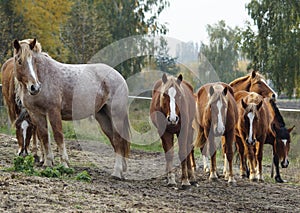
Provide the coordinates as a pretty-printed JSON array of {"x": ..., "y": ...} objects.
[
  {"x": 216, "y": 116},
  {"x": 253, "y": 127},
  {"x": 281, "y": 142},
  {"x": 57, "y": 91},
  {"x": 18, "y": 115},
  {"x": 172, "y": 111}
]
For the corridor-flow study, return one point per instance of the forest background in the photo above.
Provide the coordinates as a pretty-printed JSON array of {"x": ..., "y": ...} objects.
[{"x": 72, "y": 31}]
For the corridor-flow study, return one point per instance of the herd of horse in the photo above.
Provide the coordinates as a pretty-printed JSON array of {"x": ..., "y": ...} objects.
[{"x": 242, "y": 114}]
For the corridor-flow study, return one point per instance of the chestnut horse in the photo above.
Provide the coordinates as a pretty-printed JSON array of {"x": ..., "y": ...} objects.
[
  {"x": 254, "y": 82},
  {"x": 16, "y": 111},
  {"x": 172, "y": 111},
  {"x": 57, "y": 91},
  {"x": 216, "y": 116},
  {"x": 253, "y": 127}
]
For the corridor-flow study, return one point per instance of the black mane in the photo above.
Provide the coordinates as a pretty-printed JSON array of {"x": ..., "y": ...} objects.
[{"x": 277, "y": 113}]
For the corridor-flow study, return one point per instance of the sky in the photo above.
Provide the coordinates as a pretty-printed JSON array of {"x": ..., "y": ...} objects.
[{"x": 187, "y": 19}]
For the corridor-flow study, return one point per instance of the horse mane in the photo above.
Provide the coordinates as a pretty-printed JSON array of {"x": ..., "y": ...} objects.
[
  {"x": 277, "y": 113},
  {"x": 218, "y": 91},
  {"x": 258, "y": 76},
  {"x": 37, "y": 48}
]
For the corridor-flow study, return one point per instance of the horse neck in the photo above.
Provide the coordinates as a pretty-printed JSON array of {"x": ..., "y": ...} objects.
[
  {"x": 278, "y": 115},
  {"x": 241, "y": 84}
]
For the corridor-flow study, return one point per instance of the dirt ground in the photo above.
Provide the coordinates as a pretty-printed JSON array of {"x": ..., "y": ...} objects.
[{"x": 144, "y": 189}]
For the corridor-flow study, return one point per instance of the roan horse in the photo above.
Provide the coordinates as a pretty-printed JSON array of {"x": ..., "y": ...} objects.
[
  {"x": 254, "y": 82},
  {"x": 172, "y": 111},
  {"x": 57, "y": 91},
  {"x": 18, "y": 115},
  {"x": 216, "y": 116},
  {"x": 253, "y": 127}
]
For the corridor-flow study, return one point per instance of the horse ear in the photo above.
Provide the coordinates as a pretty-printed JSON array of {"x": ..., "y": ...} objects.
[
  {"x": 244, "y": 104},
  {"x": 253, "y": 74},
  {"x": 211, "y": 90},
  {"x": 259, "y": 105},
  {"x": 179, "y": 79},
  {"x": 164, "y": 78},
  {"x": 225, "y": 90},
  {"x": 291, "y": 129},
  {"x": 32, "y": 44},
  {"x": 17, "y": 45}
]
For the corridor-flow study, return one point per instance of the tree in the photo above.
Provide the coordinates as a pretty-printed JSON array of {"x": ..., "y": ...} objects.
[
  {"x": 222, "y": 51},
  {"x": 43, "y": 20},
  {"x": 275, "y": 48},
  {"x": 86, "y": 32}
]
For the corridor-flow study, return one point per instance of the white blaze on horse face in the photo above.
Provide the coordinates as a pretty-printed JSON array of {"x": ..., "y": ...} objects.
[
  {"x": 220, "y": 126},
  {"x": 251, "y": 118},
  {"x": 284, "y": 141},
  {"x": 31, "y": 70},
  {"x": 24, "y": 127},
  {"x": 269, "y": 88},
  {"x": 172, "y": 93}
]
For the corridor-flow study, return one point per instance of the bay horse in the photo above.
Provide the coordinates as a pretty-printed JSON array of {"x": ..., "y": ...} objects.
[
  {"x": 18, "y": 115},
  {"x": 172, "y": 112},
  {"x": 253, "y": 127},
  {"x": 281, "y": 142},
  {"x": 216, "y": 116},
  {"x": 57, "y": 91},
  {"x": 255, "y": 82}
]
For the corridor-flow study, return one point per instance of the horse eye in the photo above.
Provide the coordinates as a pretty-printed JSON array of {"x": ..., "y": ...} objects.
[{"x": 20, "y": 61}]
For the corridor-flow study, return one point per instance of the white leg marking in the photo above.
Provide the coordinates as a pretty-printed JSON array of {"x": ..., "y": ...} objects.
[
  {"x": 118, "y": 169},
  {"x": 24, "y": 126},
  {"x": 251, "y": 118},
  {"x": 205, "y": 164},
  {"x": 172, "y": 93},
  {"x": 171, "y": 179}
]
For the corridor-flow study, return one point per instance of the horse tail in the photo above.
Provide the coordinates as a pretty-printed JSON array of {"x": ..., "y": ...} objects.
[
  {"x": 127, "y": 136},
  {"x": 200, "y": 138}
]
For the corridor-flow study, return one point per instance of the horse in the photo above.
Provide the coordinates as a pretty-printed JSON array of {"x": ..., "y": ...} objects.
[
  {"x": 57, "y": 91},
  {"x": 255, "y": 82},
  {"x": 281, "y": 142},
  {"x": 216, "y": 116},
  {"x": 18, "y": 115},
  {"x": 253, "y": 127},
  {"x": 172, "y": 111}
]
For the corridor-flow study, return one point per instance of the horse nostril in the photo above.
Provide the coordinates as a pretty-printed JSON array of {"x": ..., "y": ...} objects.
[
  {"x": 273, "y": 96},
  {"x": 32, "y": 88},
  {"x": 177, "y": 118}
]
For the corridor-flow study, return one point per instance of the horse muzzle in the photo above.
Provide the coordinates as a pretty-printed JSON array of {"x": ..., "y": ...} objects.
[
  {"x": 250, "y": 142},
  {"x": 34, "y": 89},
  {"x": 174, "y": 120},
  {"x": 285, "y": 163}
]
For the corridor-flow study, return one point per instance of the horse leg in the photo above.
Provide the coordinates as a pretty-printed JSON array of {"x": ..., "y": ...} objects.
[
  {"x": 42, "y": 131},
  {"x": 241, "y": 150},
  {"x": 119, "y": 144},
  {"x": 191, "y": 166},
  {"x": 259, "y": 157},
  {"x": 229, "y": 156},
  {"x": 213, "y": 167},
  {"x": 34, "y": 144},
  {"x": 251, "y": 159},
  {"x": 56, "y": 124},
  {"x": 167, "y": 143}
]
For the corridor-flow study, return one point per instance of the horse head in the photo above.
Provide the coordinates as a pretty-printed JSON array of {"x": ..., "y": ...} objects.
[
  {"x": 259, "y": 85},
  {"x": 217, "y": 106},
  {"x": 283, "y": 140},
  {"x": 251, "y": 117},
  {"x": 170, "y": 98},
  {"x": 25, "y": 69}
]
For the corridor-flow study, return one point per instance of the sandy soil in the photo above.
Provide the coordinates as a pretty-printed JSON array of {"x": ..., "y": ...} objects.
[{"x": 144, "y": 189}]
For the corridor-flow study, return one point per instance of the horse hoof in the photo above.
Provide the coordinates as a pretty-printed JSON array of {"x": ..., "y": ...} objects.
[
  {"x": 213, "y": 179},
  {"x": 185, "y": 187},
  {"x": 278, "y": 179},
  {"x": 194, "y": 183},
  {"x": 171, "y": 184},
  {"x": 253, "y": 180},
  {"x": 36, "y": 159},
  {"x": 117, "y": 178}
]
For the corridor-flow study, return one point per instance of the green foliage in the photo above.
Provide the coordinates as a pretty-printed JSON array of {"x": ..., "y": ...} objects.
[
  {"x": 83, "y": 176},
  {"x": 274, "y": 48},
  {"x": 222, "y": 51},
  {"x": 25, "y": 165}
]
